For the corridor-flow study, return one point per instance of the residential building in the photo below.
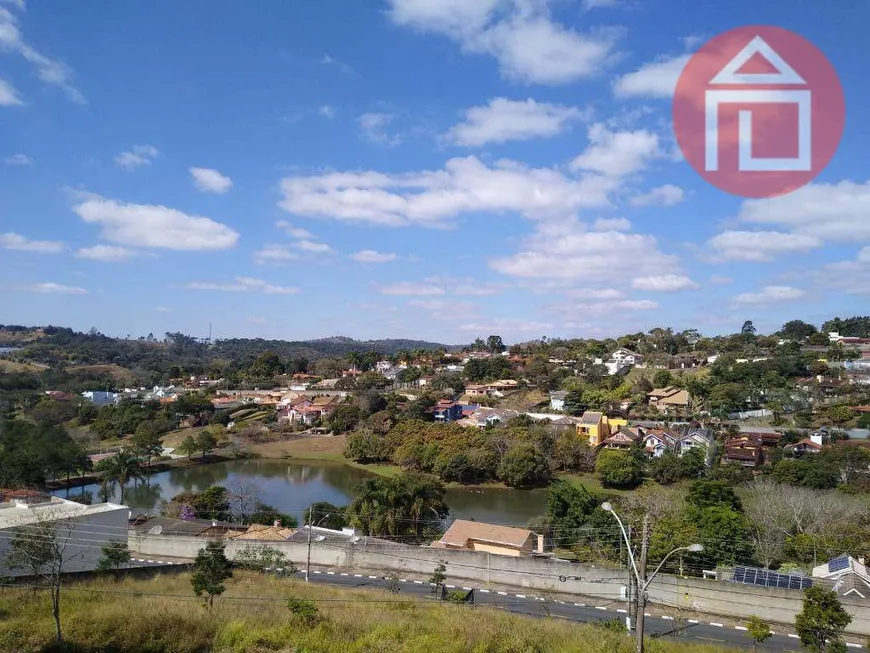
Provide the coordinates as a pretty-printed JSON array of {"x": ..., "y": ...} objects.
[
  {"x": 85, "y": 529},
  {"x": 848, "y": 575},
  {"x": 623, "y": 439},
  {"x": 483, "y": 417},
  {"x": 812, "y": 444},
  {"x": 557, "y": 400},
  {"x": 263, "y": 533},
  {"x": 100, "y": 397},
  {"x": 447, "y": 410},
  {"x": 669, "y": 399},
  {"x": 594, "y": 426},
  {"x": 490, "y": 538},
  {"x": 477, "y": 390},
  {"x": 173, "y": 527},
  {"x": 658, "y": 442}
]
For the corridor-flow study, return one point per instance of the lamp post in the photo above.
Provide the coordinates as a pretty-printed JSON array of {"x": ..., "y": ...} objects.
[
  {"x": 310, "y": 526},
  {"x": 639, "y": 569}
]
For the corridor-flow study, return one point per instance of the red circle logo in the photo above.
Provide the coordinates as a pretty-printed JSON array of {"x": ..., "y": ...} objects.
[{"x": 758, "y": 111}]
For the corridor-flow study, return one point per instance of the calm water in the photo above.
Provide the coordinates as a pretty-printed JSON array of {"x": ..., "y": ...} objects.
[{"x": 292, "y": 487}]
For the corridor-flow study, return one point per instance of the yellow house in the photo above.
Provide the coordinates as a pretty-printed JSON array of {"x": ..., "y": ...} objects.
[
  {"x": 594, "y": 426},
  {"x": 491, "y": 538}
]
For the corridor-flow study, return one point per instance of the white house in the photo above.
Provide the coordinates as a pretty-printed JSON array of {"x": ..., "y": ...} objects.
[
  {"x": 848, "y": 575},
  {"x": 86, "y": 529},
  {"x": 100, "y": 397},
  {"x": 557, "y": 400}
]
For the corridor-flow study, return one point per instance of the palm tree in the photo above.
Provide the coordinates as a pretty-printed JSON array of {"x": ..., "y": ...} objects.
[{"x": 121, "y": 469}]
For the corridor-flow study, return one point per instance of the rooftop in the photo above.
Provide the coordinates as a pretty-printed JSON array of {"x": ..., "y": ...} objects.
[
  {"x": 21, "y": 512},
  {"x": 462, "y": 530}
]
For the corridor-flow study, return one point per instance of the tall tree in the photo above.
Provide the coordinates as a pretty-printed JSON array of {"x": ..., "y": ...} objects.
[
  {"x": 822, "y": 621},
  {"x": 121, "y": 468},
  {"x": 210, "y": 569},
  {"x": 748, "y": 328},
  {"x": 495, "y": 344}
]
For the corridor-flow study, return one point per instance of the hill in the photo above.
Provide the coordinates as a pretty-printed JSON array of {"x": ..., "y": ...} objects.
[{"x": 161, "y": 615}]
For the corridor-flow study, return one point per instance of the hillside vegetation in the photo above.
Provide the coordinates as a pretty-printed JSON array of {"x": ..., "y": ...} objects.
[{"x": 139, "y": 616}]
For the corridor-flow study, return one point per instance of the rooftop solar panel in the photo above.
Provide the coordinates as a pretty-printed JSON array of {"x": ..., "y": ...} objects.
[
  {"x": 765, "y": 578},
  {"x": 839, "y": 564}
]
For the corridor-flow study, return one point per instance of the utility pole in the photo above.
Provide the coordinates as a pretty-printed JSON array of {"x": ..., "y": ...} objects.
[
  {"x": 308, "y": 564},
  {"x": 642, "y": 584},
  {"x": 629, "y": 594}
]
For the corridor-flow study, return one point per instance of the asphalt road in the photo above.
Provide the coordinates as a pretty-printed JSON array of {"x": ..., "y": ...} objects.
[{"x": 529, "y": 604}]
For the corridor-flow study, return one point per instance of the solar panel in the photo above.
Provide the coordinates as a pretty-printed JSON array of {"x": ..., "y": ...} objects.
[
  {"x": 839, "y": 564},
  {"x": 765, "y": 578}
]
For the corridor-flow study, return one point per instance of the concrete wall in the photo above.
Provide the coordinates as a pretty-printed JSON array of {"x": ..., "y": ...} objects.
[
  {"x": 607, "y": 583},
  {"x": 86, "y": 538}
]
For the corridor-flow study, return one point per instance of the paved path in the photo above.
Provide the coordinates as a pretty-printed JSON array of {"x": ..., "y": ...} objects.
[{"x": 529, "y": 603}]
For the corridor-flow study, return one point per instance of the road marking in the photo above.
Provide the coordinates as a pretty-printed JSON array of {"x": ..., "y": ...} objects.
[
  {"x": 600, "y": 607},
  {"x": 357, "y": 575},
  {"x": 484, "y": 591},
  {"x": 502, "y": 593},
  {"x": 520, "y": 596},
  {"x": 151, "y": 561},
  {"x": 450, "y": 587},
  {"x": 344, "y": 574},
  {"x": 420, "y": 582},
  {"x": 741, "y": 628},
  {"x": 668, "y": 618},
  {"x": 718, "y": 625},
  {"x": 647, "y": 614},
  {"x": 403, "y": 580},
  {"x": 580, "y": 605},
  {"x": 851, "y": 645},
  {"x": 622, "y": 611},
  {"x": 317, "y": 571},
  {"x": 330, "y": 573},
  {"x": 692, "y": 621},
  {"x": 793, "y": 636},
  {"x": 372, "y": 576},
  {"x": 467, "y": 589}
]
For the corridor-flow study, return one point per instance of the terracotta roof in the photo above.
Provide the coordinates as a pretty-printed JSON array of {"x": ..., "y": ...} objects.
[
  {"x": 266, "y": 533},
  {"x": 461, "y": 531}
]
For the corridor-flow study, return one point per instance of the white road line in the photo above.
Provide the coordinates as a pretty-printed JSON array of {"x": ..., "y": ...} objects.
[
  {"x": 450, "y": 587},
  {"x": 793, "y": 636},
  {"x": 467, "y": 589},
  {"x": 600, "y": 607},
  {"x": 851, "y": 645},
  {"x": 372, "y": 576},
  {"x": 357, "y": 575},
  {"x": 151, "y": 561},
  {"x": 740, "y": 628},
  {"x": 502, "y": 593},
  {"x": 403, "y": 580},
  {"x": 520, "y": 596},
  {"x": 484, "y": 591},
  {"x": 692, "y": 621},
  {"x": 344, "y": 574},
  {"x": 330, "y": 573},
  {"x": 580, "y": 605},
  {"x": 668, "y": 618},
  {"x": 420, "y": 582},
  {"x": 713, "y": 623},
  {"x": 317, "y": 571},
  {"x": 647, "y": 614},
  {"x": 622, "y": 611}
]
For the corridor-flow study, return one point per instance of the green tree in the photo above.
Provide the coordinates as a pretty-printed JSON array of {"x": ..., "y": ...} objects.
[
  {"x": 838, "y": 415},
  {"x": 263, "y": 558},
  {"x": 327, "y": 515},
  {"x": 704, "y": 494},
  {"x": 364, "y": 446},
  {"x": 822, "y": 621},
  {"x": 724, "y": 533},
  {"x": 206, "y": 442},
  {"x": 569, "y": 507},
  {"x": 662, "y": 379},
  {"x": 759, "y": 630},
  {"x": 524, "y": 466},
  {"x": 748, "y": 328},
  {"x": 121, "y": 468},
  {"x": 439, "y": 575},
  {"x": 618, "y": 469},
  {"x": 495, "y": 345},
  {"x": 399, "y": 507},
  {"x": 344, "y": 418},
  {"x": 188, "y": 446},
  {"x": 114, "y": 556},
  {"x": 147, "y": 442},
  {"x": 268, "y": 515},
  {"x": 210, "y": 569},
  {"x": 797, "y": 330}
]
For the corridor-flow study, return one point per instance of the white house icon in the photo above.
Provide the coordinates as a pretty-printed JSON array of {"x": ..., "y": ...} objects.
[{"x": 784, "y": 75}]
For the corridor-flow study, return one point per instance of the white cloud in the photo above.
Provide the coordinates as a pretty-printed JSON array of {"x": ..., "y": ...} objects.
[
  {"x": 437, "y": 198},
  {"x": 656, "y": 79},
  {"x": 106, "y": 253},
  {"x": 598, "y": 4},
  {"x": 20, "y": 243},
  {"x": 309, "y": 246},
  {"x": 665, "y": 283},
  {"x": 409, "y": 288},
  {"x": 567, "y": 251},
  {"x": 9, "y": 95},
  {"x": 328, "y": 60},
  {"x": 611, "y": 224},
  {"x": 505, "y": 120},
  {"x": 759, "y": 245},
  {"x": 374, "y": 127},
  {"x": 595, "y": 293},
  {"x": 51, "y": 288},
  {"x": 617, "y": 154},
  {"x": 769, "y": 295},
  {"x": 209, "y": 180},
  {"x": 527, "y": 43},
  {"x": 162, "y": 309},
  {"x": 18, "y": 160},
  {"x": 830, "y": 212},
  {"x": 50, "y": 71},
  {"x": 243, "y": 284},
  {"x": 295, "y": 232},
  {"x": 160, "y": 227},
  {"x": 138, "y": 156},
  {"x": 508, "y": 325},
  {"x": 276, "y": 254},
  {"x": 372, "y": 256},
  {"x": 851, "y": 277},
  {"x": 326, "y": 111},
  {"x": 667, "y": 195}
]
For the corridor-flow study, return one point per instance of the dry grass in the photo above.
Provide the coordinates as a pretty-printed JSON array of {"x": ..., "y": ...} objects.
[
  {"x": 252, "y": 616},
  {"x": 8, "y": 366},
  {"x": 118, "y": 373},
  {"x": 328, "y": 448}
]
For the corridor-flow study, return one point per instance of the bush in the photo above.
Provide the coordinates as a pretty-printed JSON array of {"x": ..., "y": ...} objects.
[
  {"x": 304, "y": 610},
  {"x": 524, "y": 466},
  {"x": 618, "y": 469}
]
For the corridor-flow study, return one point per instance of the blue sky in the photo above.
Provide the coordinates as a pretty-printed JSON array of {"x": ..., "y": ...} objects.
[{"x": 439, "y": 169}]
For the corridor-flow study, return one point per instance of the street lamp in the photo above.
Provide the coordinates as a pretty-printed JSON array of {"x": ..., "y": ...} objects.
[
  {"x": 639, "y": 568},
  {"x": 310, "y": 526}
]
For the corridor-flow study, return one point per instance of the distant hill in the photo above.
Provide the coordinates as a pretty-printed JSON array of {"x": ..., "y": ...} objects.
[{"x": 321, "y": 347}]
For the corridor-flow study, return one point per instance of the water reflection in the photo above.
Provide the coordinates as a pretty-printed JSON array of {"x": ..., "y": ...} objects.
[{"x": 292, "y": 487}]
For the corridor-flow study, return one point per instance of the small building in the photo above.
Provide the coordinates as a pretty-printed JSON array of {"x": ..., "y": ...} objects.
[
  {"x": 557, "y": 400},
  {"x": 100, "y": 397},
  {"x": 669, "y": 399},
  {"x": 848, "y": 575},
  {"x": 594, "y": 427},
  {"x": 447, "y": 410},
  {"x": 490, "y": 538},
  {"x": 146, "y": 525},
  {"x": 85, "y": 529},
  {"x": 811, "y": 444}
]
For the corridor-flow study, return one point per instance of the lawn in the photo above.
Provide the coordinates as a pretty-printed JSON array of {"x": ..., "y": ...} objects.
[
  {"x": 592, "y": 484},
  {"x": 161, "y": 615},
  {"x": 328, "y": 448}
]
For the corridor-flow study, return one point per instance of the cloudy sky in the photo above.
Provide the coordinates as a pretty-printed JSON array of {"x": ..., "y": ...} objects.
[{"x": 441, "y": 169}]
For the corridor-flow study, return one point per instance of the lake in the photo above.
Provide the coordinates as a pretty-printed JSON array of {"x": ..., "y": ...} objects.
[{"x": 293, "y": 486}]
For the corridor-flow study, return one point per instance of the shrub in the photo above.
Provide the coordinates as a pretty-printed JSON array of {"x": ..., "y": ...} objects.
[{"x": 304, "y": 610}]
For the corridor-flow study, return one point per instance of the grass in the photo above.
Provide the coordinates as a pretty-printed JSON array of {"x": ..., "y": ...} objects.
[
  {"x": 592, "y": 484},
  {"x": 118, "y": 373},
  {"x": 8, "y": 366},
  {"x": 161, "y": 615},
  {"x": 326, "y": 448}
]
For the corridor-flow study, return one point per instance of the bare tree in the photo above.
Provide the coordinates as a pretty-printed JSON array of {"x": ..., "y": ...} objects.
[
  {"x": 40, "y": 549},
  {"x": 244, "y": 498}
]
